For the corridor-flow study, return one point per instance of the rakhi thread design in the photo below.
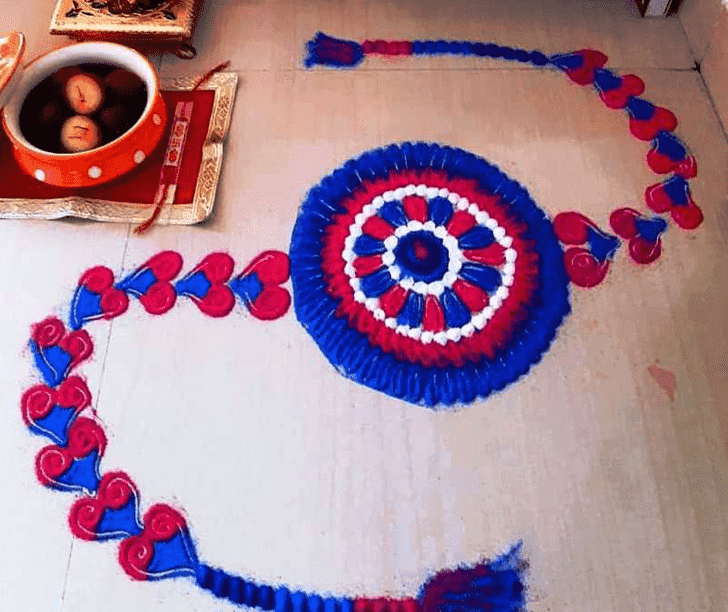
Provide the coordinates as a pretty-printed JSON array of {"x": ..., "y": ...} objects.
[
  {"x": 588, "y": 262},
  {"x": 420, "y": 270},
  {"x": 160, "y": 545}
]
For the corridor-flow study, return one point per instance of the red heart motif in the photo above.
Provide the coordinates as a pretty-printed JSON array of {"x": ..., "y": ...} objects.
[
  {"x": 687, "y": 216},
  {"x": 617, "y": 98},
  {"x": 592, "y": 60},
  {"x": 219, "y": 300},
  {"x": 641, "y": 250},
  {"x": 583, "y": 268},
  {"x": 161, "y": 296},
  {"x": 38, "y": 401},
  {"x": 272, "y": 269},
  {"x": 161, "y": 524},
  {"x": 115, "y": 491},
  {"x": 101, "y": 280},
  {"x": 84, "y": 436},
  {"x": 52, "y": 332},
  {"x": 661, "y": 120}
]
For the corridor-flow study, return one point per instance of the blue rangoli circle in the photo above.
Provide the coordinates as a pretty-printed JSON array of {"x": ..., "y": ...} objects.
[{"x": 424, "y": 272}]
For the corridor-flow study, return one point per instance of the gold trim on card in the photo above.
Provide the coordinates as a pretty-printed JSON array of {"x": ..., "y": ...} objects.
[{"x": 224, "y": 84}]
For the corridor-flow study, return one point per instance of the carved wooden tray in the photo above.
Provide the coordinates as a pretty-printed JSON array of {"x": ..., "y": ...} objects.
[{"x": 171, "y": 20}]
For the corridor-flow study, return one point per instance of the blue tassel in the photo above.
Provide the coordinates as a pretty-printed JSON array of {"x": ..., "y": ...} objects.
[{"x": 328, "y": 51}]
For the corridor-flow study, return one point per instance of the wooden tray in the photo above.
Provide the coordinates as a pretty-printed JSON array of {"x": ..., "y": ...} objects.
[{"x": 173, "y": 20}]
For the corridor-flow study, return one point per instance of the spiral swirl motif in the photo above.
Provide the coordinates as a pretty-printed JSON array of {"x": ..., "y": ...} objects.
[
  {"x": 37, "y": 403},
  {"x": 48, "y": 332},
  {"x": 97, "y": 279},
  {"x": 73, "y": 392},
  {"x": 84, "y": 517},
  {"x": 51, "y": 462},
  {"x": 85, "y": 436},
  {"x": 116, "y": 490},
  {"x": 135, "y": 554},
  {"x": 162, "y": 522}
]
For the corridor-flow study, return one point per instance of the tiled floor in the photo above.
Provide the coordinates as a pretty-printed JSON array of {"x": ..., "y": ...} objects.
[{"x": 289, "y": 472}]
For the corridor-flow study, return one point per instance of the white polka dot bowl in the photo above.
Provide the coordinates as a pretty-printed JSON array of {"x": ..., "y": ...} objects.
[{"x": 104, "y": 163}]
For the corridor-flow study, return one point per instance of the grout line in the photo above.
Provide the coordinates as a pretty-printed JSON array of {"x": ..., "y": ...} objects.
[
  {"x": 111, "y": 328},
  {"x": 65, "y": 578},
  {"x": 704, "y": 83},
  {"x": 706, "y": 89}
]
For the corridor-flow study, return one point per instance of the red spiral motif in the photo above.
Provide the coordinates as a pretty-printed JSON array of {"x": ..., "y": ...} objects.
[
  {"x": 584, "y": 270},
  {"x": 644, "y": 251},
  {"x": 114, "y": 303},
  {"x": 217, "y": 267},
  {"x": 84, "y": 517},
  {"x": 162, "y": 522},
  {"x": 97, "y": 279},
  {"x": 165, "y": 265},
  {"x": 116, "y": 489},
  {"x": 51, "y": 462},
  {"x": 135, "y": 554},
  {"x": 79, "y": 345},
  {"x": 48, "y": 332},
  {"x": 218, "y": 302},
  {"x": 85, "y": 436},
  {"x": 37, "y": 403},
  {"x": 159, "y": 298},
  {"x": 74, "y": 393},
  {"x": 687, "y": 217}
]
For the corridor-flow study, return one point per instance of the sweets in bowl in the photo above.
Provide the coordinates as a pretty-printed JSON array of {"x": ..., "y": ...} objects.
[{"x": 83, "y": 108}]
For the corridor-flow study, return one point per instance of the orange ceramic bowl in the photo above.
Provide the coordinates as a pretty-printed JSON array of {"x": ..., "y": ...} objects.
[{"x": 104, "y": 163}]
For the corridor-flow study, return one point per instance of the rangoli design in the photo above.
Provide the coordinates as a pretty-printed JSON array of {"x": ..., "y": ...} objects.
[
  {"x": 420, "y": 270},
  {"x": 161, "y": 545}
]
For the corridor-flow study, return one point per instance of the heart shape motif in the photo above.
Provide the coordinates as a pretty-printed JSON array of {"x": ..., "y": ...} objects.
[
  {"x": 582, "y": 65},
  {"x": 75, "y": 466},
  {"x": 49, "y": 412},
  {"x": 205, "y": 285},
  {"x": 57, "y": 352},
  {"x": 112, "y": 513},
  {"x": 673, "y": 195},
  {"x": 258, "y": 286},
  {"x": 616, "y": 91},
  {"x": 645, "y": 245},
  {"x": 97, "y": 298},
  {"x": 162, "y": 550},
  {"x": 150, "y": 282},
  {"x": 646, "y": 120},
  {"x": 586, "y": 267},
  {"x": 669, "y": 154}
]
